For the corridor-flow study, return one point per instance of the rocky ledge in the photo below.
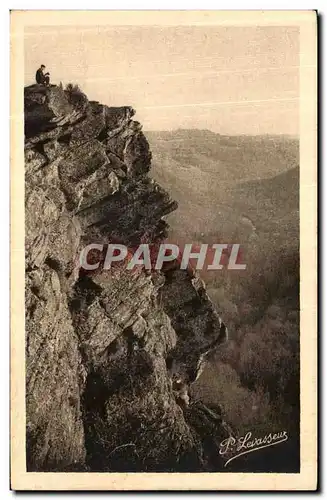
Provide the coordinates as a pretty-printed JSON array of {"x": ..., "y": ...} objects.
[{"x": 110, "y": 355}]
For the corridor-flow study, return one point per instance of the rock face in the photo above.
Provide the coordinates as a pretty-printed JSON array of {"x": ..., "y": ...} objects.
[{"x": 110, "y": 354}]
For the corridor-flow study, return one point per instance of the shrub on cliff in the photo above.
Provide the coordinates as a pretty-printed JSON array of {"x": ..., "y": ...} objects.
[{"x": 76, "y": 97}]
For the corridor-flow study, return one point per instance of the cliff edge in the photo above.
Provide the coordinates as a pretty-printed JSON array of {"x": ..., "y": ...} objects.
[{"x": 110, "y": 355}]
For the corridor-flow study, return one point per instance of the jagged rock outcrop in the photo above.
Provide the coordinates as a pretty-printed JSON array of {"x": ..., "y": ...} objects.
[{"x": 109, "y": 354}]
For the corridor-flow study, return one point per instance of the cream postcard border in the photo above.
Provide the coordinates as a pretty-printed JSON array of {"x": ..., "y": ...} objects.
[{"x": 307, "y": 478}]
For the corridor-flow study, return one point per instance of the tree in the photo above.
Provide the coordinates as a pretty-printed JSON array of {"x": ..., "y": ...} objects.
[{"x": 76, "y": 97}]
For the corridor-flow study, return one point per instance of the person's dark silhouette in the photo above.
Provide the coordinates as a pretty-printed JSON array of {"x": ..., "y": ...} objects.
[{"x": 41, "y": 77}]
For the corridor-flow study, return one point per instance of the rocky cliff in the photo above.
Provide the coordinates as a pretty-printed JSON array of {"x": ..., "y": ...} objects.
[{"x": 110, "y": 355}]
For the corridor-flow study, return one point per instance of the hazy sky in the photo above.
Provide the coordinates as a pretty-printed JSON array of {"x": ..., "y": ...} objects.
[{"x": 231, "y": 80}]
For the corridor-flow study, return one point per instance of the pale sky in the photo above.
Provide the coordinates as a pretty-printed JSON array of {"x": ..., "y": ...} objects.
[{"x": 231, "y": 80}]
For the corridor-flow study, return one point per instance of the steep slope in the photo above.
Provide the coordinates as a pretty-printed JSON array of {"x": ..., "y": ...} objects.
[
  {"x": 272, "y": 202},
  {"x": 217, "y": 179},
  {"x": 110, "y": 354}
]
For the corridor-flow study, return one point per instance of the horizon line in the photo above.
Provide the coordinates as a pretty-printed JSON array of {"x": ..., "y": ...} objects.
[{"x": 267, "y": 134}]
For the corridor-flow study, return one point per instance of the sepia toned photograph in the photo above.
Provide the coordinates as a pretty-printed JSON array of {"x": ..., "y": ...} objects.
[{"x": 160, "y": 178}]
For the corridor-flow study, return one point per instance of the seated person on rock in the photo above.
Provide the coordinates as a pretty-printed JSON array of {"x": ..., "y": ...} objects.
[{"x": 41, "y": 77}]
